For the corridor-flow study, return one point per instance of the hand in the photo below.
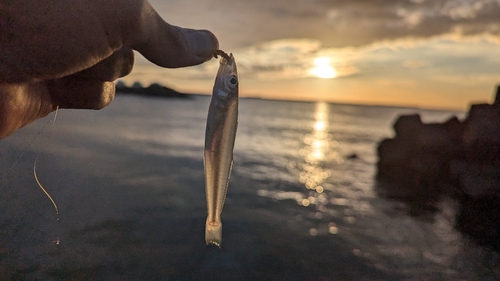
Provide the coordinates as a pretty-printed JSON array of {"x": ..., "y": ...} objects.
[{"x": 67, "y": 53}]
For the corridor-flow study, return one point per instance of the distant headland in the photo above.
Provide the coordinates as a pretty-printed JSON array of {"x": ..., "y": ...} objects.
[{"x": 153, "y": 90}]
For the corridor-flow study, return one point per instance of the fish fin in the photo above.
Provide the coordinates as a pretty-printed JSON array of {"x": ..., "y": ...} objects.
[{"x": 213, "y": 233}]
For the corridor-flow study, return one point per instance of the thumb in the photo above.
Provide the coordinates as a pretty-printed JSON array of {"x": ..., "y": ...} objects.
[{"x": 171, "y": 46}]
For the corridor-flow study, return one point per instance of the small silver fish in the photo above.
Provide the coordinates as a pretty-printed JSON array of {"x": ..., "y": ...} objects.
[{"x": 219, "y": 143}]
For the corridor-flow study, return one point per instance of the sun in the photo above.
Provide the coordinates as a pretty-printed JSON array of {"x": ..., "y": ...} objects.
[{"x": 322, "y": 68}]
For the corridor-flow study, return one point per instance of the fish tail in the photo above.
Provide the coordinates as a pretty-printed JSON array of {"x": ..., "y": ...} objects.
[{"x": 213, "y": 233}]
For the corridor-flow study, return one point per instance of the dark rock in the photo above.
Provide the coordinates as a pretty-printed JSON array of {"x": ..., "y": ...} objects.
[
  {"x": 482, "y": 124},
  {"x": 137, "y": 85},
  {"x": 419, "y": 152},
  {"x": 424, "y": 162},
  {"x": 476, "y": 179},
  {"x": 406, "y": 125},
  {"x": 121, "y": 84},
  {"x": 481, "y": 136},
  {"x": 479, "y": 218},
  {"x": 497, "y": 96},
  {"x": 153, "y": 90},
  {"x": 352, "y": 156},
  {"x": 455, "y": 129}
]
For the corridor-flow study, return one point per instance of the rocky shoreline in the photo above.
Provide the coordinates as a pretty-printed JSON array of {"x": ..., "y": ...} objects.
[
  {"x": 460, "y": 159},
  {"x": 153, "y": 90}
]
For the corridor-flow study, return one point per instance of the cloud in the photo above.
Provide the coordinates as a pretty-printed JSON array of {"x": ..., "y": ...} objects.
[
  {"x": 290, "y": 59},
  {"x": 279, "y": 59},
  {"x": 364, "y": 22},
  {"x": 339, "y": 23},
  {"x": 412, "y": 64}
]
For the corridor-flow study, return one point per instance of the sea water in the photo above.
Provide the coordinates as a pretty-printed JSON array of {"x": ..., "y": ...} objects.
[{"x": 303, "y": 201}]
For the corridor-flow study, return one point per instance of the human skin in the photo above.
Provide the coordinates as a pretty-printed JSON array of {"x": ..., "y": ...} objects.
[{"x": 67, "y": 53}]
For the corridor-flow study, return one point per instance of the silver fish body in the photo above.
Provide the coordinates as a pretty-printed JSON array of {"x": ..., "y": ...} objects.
[{"x": 219, "y": 144}]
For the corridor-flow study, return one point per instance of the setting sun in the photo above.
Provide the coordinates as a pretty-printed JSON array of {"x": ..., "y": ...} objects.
[{"x": 323, "y": 69}]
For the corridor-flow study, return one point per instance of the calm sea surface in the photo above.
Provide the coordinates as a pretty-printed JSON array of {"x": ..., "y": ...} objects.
[{"x": 302, "y": 203}]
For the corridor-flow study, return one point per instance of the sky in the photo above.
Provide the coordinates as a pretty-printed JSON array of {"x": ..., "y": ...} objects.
[{"x": 441, "y": 54}]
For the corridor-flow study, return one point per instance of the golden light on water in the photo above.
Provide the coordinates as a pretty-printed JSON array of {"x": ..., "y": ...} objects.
[
  {"x": 323, "y": 68},
  {"x": 319, "y": 125},
  {"x": 318, "y": 150},
  {"x": 318, "y": 154},
  {"x": 317, "y": 143},
  {"x": 305, "y": 202},
  {"x": 320, "y": 131},
  {"x": 332, "y": 228}
]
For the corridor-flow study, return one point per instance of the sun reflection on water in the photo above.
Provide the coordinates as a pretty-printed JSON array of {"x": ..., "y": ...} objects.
[
  {"x": 319, "y": 156},
  {"x": 319, "y": 149}
]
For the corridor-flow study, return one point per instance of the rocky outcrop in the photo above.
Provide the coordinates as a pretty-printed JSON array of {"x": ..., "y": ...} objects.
[
  {"x": 424, "y": 162},
  {"x": 418, "y": 158},
  {"x": 153, "y": 90}
]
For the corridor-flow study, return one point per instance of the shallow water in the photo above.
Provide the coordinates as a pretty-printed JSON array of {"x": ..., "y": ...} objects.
[{"x": 302, "y": 202}]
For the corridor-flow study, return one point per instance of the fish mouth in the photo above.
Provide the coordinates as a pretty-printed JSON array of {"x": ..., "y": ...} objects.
[
  {"x": 226, "y": 59},
  {"x": 227, "y": 64},
  {"x": 229, "y": 61}
]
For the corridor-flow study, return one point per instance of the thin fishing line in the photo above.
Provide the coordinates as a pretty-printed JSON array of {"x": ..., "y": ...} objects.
[
  {"x": 43, "y": 189},
  {"x": 57, "y": 241},
  {"x": 34, "y": 170},
  {"x": 33, "y": 140}
]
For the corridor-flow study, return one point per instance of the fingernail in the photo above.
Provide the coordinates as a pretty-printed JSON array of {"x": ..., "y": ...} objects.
[{"x": 205, "y": 43}]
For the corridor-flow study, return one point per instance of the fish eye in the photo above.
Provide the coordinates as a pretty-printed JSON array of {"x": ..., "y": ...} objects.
[{"x": 232, "y": 81}]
